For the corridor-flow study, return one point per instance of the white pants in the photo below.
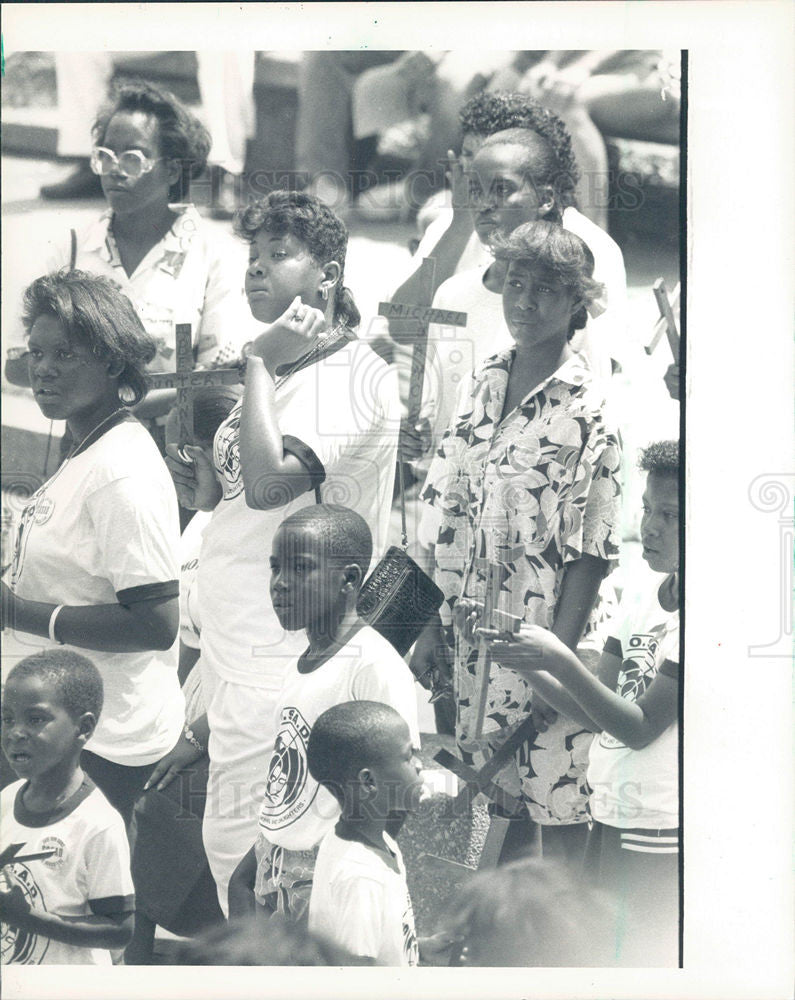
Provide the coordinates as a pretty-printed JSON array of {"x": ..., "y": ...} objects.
[{"x": 242, "y": 733}]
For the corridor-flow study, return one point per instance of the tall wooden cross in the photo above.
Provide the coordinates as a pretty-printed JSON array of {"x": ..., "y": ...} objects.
[
  {"x": 666, "y": 324},
  {"x": 187, "y": 381},
  {"x": 422, "y": 314}
]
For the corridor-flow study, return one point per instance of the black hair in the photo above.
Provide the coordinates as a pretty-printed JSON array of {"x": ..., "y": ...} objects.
[
  {"x": 314, "y": 224},
  {"x": 93, "y": 309},
  {"x": 211, "y": 406},
  {"x": 181, "y": 135},
  {"x": 488, "y": 113},
  {"x": 346, "y": 738},
  {"x": 345, "y": 534},
  {"x": 75, "y": 678},
  {"x": 661, "y": 457},
  {"x": 559, "y": 251},
  {"x": 532, "y": 912},
  {"x": 241, "y": 942}
]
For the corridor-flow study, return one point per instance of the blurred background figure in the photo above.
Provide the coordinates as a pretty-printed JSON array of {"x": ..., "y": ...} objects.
[
  {"x": 530, "y": 913},
  {"x": 226, "y": 81},
  {"x": 630, "y": 94}
]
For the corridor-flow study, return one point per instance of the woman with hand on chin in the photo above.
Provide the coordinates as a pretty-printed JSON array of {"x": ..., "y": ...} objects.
[
  {"x": 319, "y": 414},
  {"x": 95, "y": 563}
]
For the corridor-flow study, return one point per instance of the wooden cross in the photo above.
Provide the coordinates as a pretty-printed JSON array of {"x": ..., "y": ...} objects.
[
  {"x": 481, "y": 781},
  {"x": 423, "y": 314},
  {"x": 186, "y": 380},
  {"x": 666, "y": 324}
]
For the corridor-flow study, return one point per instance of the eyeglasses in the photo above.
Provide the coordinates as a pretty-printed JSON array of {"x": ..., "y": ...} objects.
[{"x": 131, "y": 162}]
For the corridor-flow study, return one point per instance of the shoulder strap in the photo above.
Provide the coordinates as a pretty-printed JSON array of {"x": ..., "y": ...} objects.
[{"x": 73, "y": 249}]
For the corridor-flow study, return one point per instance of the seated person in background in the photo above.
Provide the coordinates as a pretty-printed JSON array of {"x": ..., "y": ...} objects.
[
  {"x": 68, "y": 900},
  {"x": 631, "y": 93},
  {"x": 319, "y": 559},
  {"x": 361, "y": 752},
  {"x": 633, "y": 707}
]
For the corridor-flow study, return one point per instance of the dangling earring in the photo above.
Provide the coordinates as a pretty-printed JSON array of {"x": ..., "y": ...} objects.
[{"x": 324, "y": 292}]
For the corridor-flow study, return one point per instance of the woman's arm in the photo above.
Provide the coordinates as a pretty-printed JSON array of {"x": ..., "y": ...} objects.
[
  {"x": 581, "y": 581},
  {"x": 110, "y": 628},
  {"x": 272, "y": 478},
  {"x": 95, "y": 931},
  {"x": 579, "y": 590}
]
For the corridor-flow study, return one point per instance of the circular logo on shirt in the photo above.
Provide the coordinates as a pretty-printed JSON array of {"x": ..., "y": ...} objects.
[
  {"x": 43, "y": 510},
  {"x": 58, "y": 847},
  {"x": 287, "y": 772},
  {"x": 22, "y": 947}
]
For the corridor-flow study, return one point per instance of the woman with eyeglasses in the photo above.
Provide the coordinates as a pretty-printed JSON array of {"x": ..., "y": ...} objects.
[{"x": 154, "y": 244}]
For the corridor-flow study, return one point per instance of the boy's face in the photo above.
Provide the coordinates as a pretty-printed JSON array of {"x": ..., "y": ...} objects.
[
  {"x": 659, "y": 526},
  {"x": 304, "y": 585},
  {"x": 397, "y": 771},
  {"x": 501, "y": 191},
  {"x": 39, "y": 735}
]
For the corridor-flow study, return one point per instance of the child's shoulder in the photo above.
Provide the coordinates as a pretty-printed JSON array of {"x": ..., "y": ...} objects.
[
  {"x": 343, "y": 859},
  {"x": 368, "y": 651}
]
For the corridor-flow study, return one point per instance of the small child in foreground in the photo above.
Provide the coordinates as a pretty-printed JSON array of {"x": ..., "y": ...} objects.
[
  {"x": 66, "y": 895},
  {"x": 633, "y": 706},
  {"x": 361, "y": 751},
  {"x": 318, "y": 561}
]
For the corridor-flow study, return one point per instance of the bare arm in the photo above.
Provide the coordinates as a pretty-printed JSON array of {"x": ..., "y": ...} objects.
[
  {"x": 95, "y": 931},
  {"x": 111, "y": 628},
  {"x": 636, "y": 724},
  {"x": 272, "y": 478},
  {"x": 581, "y": 581}
]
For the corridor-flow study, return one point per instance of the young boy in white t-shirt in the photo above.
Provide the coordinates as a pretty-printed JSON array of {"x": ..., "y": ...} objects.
[
  {"x": 633, "y": 707},
  {"x": 66, "y": 895},
  {"x": 319, "y": 558},
  {"x": 362, "y": 753}
]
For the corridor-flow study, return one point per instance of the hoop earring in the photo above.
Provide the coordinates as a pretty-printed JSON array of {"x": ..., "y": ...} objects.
[{"x": 324, "y": 292}]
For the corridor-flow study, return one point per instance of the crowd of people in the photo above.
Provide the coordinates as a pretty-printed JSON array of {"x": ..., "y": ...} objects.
[{"x": 212, "y": 739}]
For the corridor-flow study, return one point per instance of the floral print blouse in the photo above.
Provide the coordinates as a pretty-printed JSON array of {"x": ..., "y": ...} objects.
[{"x": 519, "y": 496}]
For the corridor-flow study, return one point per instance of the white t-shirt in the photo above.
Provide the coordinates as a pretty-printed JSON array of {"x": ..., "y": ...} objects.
[
  {"x": 361, "y": 902},
  {"x": 454, "y": 352},
  {"x": 639, "y": 788},
  {"x": 189, "y": 549},
  {"x": 297, "y": 812},
  {"x": 87, "y": 873},
  {"x": 341, "y": 418},
  {"x": 105, "y": 529},
  {"x": 193, "y": 275}
]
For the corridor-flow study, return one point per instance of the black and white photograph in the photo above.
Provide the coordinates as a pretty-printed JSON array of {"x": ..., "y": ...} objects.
[{"x": 377, "y": 508}]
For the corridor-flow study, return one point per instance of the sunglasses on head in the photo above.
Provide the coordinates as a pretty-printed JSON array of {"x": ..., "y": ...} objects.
[{"x": 131, "y": 162}]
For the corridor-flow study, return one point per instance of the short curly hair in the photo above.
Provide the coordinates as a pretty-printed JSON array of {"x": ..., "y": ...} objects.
[
  {"x": 76, "y": 680},
  {"x": 182, "y": 136},
  {"x": 661, "y": 457},
  {"x": 560, "y": 251},
  {"x": 490, "y": 112},
  {"x": 94, "y": 310},
  {"x": 314, "y": 224}
]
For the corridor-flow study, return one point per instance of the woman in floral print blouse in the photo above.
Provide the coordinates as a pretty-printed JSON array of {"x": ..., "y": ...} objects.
[{"x": 525, "y": 481}]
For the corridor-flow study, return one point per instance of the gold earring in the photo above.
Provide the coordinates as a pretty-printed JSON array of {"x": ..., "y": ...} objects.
[{"x": 324, "y": 292}]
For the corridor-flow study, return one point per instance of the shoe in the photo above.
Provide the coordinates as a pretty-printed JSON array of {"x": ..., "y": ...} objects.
[{"x": 81, "y": 183}]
